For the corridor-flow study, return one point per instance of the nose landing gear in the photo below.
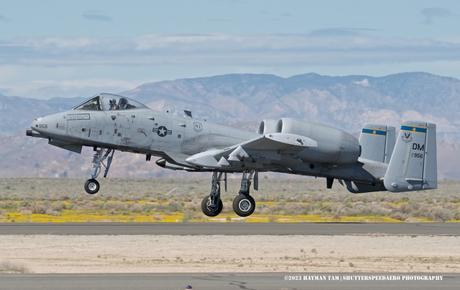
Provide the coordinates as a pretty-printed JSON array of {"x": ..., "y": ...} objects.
[{"x": 92, "y": 185}]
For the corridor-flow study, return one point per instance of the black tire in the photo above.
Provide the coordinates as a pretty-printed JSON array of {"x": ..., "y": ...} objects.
[
  {"x": 211, "y": 211},
  {"x": 244, "y": 205},
  {"x": 92, "y": 186}
]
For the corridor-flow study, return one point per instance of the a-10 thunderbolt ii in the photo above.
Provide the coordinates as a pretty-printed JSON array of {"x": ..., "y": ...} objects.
[{"x": 378, "y": 161}]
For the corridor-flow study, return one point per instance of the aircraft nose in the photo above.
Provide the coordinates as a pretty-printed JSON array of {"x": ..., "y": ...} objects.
[
  {"x": 34, "y": 123},
  {"x": 47, "y": 126},
  {"x": 42, "y": 124}
]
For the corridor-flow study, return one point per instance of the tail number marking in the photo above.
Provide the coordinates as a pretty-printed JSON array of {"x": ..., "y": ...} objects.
[{"x": 418, "y": 147}]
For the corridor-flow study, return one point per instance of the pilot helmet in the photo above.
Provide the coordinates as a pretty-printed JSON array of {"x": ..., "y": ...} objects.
[{"x": 123, "y": 102}]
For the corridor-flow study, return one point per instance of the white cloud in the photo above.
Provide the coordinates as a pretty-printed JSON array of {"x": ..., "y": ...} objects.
[
  {"x": 8, "y": 73},
  {"x": 363, "y": 82},
  {"x": 443, "y": 124},
  {"x": 96, "y": 15},
  {"x": 224, "y": 49},
  {"x": 395, "y": 118},
  {"x": 45, "y": 89},
  {"x": 382, "y": 116},
  {"x": 56, "y": 43},
  {"x": 432, "y": 13},
  {"x": 148, "y": 57}
]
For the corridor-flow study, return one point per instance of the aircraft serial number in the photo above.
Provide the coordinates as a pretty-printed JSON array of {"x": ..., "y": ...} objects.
[{"x": 417, "y": 155}]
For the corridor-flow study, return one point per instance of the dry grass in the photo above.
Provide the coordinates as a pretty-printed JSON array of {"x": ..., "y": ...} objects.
[
  {"x": 168, "y": 200},
  {"x": 13, "y": 268}
]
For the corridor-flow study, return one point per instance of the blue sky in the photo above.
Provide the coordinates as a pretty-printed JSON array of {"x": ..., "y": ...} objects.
[{"x": 72, "y": 48}]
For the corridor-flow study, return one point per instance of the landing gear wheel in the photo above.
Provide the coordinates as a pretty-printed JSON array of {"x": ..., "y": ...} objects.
[
  {"x": 244, "y": 205},
  {"x": 92, "y": 186},
  {"x": 211, "y": 210}
]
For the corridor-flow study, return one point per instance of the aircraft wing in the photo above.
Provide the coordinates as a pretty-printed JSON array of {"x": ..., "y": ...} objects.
[{"x": 264, "y": 149}]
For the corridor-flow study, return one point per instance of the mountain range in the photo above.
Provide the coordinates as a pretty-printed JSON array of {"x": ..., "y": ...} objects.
[{"x": 243, "y": 100}]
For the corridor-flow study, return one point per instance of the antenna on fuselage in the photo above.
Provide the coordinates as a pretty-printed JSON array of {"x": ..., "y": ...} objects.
[
  {"x": 169, "y": 109},
  {"x": 188, "y": 113}
]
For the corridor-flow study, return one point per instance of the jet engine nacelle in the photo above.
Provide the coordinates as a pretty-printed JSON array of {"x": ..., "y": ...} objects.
[
  {"x": 269, "y": 126},
  {"x": 334, "y": 145}
]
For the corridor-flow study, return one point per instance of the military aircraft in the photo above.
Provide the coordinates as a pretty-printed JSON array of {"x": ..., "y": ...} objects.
[{"x": 377, "y": 161}]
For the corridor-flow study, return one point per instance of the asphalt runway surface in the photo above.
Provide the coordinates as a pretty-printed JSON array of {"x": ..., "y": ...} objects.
[
  {"x": 451, "y": 229},
  {"x": 266, "y": 281},
  {"x": 220, "y": 281}
]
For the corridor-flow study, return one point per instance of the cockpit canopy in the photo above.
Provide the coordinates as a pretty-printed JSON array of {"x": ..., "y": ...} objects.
[{"x": 110, "y": 102}]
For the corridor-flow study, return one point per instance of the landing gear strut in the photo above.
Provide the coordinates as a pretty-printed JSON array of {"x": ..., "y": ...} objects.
[
  {"x": 212, "y": 204},
  {"x": 92, "y": 185},
  {"x": 243, "y": 204}
]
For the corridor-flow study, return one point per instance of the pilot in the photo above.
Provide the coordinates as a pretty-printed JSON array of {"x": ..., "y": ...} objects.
[
  {"x": 113, "y": 104},
  {"x": 122, "y": 104}
]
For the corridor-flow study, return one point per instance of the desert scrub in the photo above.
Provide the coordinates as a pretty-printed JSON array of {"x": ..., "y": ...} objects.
[
  {"x": 280, "y": 199},
  {"x": 13, "y": 268}
]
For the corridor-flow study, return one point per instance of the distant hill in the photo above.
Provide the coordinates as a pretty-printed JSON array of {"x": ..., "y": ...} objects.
[
  {"x": 244, "y": 99},
  {"x": 347, "y": 101}
]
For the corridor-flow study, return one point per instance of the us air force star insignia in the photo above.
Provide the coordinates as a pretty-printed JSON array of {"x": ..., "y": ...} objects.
[{"x": 162, "y": 131}]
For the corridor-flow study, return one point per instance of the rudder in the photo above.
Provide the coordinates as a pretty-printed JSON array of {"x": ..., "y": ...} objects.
[
  {"x": 377, "y": 142},
  {"x": 413, "y": 164}
]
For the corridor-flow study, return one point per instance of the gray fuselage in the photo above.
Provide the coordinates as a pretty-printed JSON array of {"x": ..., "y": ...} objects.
[{"x": 175, "y": 138}]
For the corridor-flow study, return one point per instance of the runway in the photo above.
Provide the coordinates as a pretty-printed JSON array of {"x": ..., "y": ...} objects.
[
  {"x": 221, "y": 281},
  {"x": 266, "y": 281},
  {"x": 234, "y": 229}
]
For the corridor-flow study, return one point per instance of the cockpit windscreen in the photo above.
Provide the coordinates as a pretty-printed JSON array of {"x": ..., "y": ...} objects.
[{"x": 110, "y": 102}]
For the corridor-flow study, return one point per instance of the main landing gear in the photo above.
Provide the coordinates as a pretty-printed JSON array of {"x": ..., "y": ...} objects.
[
  {"x": 102, "y": 158},
  {"x": 243, "y": 204},
  {"x": 212, "y": 204}
]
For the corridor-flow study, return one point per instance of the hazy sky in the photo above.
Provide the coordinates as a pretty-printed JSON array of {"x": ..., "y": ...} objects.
[{"x": 71, "y": 48}]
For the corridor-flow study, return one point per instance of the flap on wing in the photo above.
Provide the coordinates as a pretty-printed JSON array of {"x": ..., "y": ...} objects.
[
  {"x": 176, "y": 158},
  {"x": 205, "y": 158},
  {"x": 280, "y": 142}
]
